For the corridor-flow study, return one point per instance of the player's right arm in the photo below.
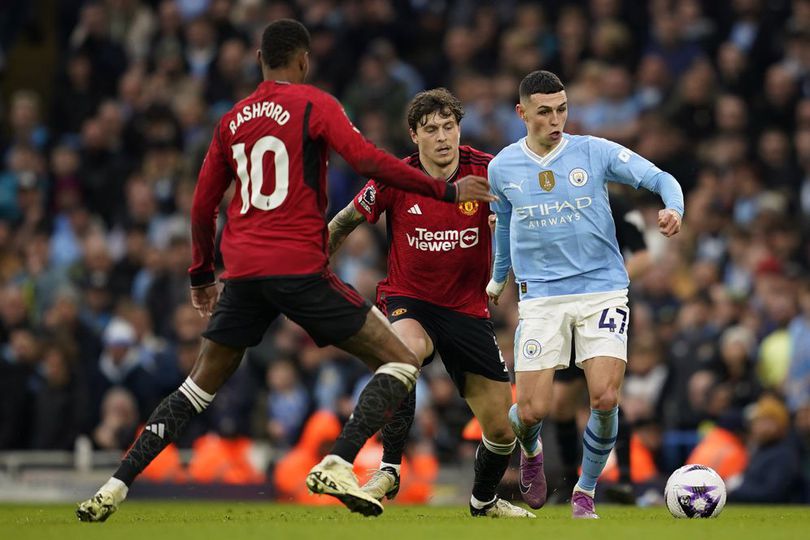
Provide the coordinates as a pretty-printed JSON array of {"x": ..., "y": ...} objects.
[
  {"x": 214, "y": 178},
  {"x": 342, "y": 225},
  {"x": 503, "y": 259},
  {"x": 330, "y": 121},
  {"x": 368, "y": 205}
]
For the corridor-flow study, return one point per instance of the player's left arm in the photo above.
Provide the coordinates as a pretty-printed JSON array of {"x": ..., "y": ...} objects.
[
  {"x": 629, "y": 168},
  {"x": 214, "y": 178},
  {"x": 342, "y": 225}
]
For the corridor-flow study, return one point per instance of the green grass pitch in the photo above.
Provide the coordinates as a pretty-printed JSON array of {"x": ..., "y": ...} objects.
[{"x": 238, "y": 521}]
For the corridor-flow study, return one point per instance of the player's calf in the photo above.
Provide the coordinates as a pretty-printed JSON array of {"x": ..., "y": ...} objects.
[{"x": 165, "y": 424}]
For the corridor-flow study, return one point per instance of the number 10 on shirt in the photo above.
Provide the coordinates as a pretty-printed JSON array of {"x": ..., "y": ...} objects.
[{"x": 251, "y": 183}]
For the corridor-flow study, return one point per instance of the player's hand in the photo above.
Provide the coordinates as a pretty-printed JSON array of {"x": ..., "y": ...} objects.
[
  {"x": 493, "y": 220},
  {"x": 669, "y": 222},
  {"x": 494, "y": 290},
  {"x": 473, "y": 188},
  {"x": 204, "y": 299}
]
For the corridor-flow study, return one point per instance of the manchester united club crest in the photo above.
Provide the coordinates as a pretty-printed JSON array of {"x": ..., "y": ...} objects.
[
  {"x": 468, "y": 208},
  {"x": 546, "y": 179}
]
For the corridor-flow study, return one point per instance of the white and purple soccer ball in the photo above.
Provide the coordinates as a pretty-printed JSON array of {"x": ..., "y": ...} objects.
[{"x": 695, "y": 491}]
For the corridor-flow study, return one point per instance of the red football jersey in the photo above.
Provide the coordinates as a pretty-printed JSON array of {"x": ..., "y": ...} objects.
[
  {"x": 275, "y": 143},
  {"x": 437, "y": 252}
]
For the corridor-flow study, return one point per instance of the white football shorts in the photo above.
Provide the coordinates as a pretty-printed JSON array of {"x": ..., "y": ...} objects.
[{"x": 597, "y": 322}]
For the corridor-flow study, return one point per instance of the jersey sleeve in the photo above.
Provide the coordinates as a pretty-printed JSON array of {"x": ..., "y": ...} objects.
[
  {"x": 214, "y": 178},
  {"x": 626, "y": 167},
  {"x": 502, "y": 205},
  {"x": 329, "y": 121},
  {"x": 622, "y": 165},
  {"x": 373, "y": 200}
]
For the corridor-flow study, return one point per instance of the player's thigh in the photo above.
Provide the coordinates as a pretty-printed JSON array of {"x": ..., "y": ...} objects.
[
  {"x": 414, "y": 337},
  {"x": 241, "y": 316},
  {"x": 376, "y": 343},
  {"x": 604, "y": 375},
  {"x": 413, "y": 322},
  {"x": 467, "y": 346},
  {"x": 330, "y": 310},
  {"x": 534, "y": 394},
  {"x": 489, "y": 401}
]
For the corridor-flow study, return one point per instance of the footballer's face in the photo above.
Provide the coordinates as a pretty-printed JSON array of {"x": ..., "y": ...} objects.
[
  {"x": 545, "y": 116},
  {"x": 437, "y": 136}
]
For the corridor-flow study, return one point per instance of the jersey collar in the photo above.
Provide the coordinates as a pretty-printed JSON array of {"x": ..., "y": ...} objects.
[
  {"x": 544, "y": 161},
  {"x": 450, "y": 179}
]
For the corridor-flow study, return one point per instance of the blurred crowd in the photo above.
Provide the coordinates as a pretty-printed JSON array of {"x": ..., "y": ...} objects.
[{"x": 108, "y": 107}]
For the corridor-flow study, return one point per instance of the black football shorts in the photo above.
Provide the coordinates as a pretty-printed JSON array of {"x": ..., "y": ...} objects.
[
  {"x": 465, "y": 344},
  {"x": 330, "y": 310}
]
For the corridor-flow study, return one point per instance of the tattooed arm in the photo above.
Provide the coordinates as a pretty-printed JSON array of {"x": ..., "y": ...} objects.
[{"x": 342, "y": 225}]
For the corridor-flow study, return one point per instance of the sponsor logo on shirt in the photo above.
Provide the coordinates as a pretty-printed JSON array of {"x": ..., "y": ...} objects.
[
  {"x": 448, "y": 240},
  {"x": 553, "y": 213}
]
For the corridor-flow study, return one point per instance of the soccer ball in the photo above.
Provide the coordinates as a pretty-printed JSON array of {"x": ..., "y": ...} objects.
[{"x": 695, "y": 491}]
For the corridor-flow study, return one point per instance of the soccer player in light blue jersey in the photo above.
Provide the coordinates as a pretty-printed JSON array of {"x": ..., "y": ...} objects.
[{"x": 555, "y": 230}]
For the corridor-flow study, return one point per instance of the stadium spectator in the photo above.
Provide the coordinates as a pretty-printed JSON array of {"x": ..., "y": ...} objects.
[
  {"x": 112, "y": 102},
  {"x": 772, "y": 474}
]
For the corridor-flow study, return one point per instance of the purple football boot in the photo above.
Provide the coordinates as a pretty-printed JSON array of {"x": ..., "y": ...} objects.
[
  {"x": 532, "y": 476},
  {"x": 582, "y": 506}
]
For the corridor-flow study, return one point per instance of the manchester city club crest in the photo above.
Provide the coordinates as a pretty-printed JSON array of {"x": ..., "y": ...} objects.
[
  {"x": 546, "y": 179},
  {"x": 532, "y": 348},
  {"x": 468, "y": 208},
  {"x": 578, "y": 177}
]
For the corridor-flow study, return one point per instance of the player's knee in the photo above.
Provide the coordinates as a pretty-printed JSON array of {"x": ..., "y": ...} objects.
[
  {"x": 605, "y": 400},
  {"x": 500, "y": 434},
  {"x": 531, "y": 413}
]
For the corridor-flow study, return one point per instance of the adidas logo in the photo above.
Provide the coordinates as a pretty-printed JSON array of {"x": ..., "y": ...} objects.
[
  {"x": 157, "y": 429},
  {"x": 415, "y": 210}
]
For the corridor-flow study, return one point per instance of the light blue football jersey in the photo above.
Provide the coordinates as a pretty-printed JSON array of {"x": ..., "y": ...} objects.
[{"x": 562, "y": 239}]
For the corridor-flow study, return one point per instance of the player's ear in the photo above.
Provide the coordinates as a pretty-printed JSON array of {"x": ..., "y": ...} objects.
[
  {"x": 413, "y": 135},
  {"x": 303, "y": 61},
  {"x": 259, "y": 56},
  {"x": 520, "y": 111}
]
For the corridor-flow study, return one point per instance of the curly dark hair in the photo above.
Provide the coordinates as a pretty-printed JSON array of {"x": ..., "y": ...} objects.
[
  {"x": 281, "y": 39},
  {"x": 438, "y": 100}
]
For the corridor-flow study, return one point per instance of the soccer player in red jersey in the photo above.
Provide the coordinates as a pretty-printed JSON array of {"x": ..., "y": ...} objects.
[
  {"x": 439, "y": 260},
  {"x": 275, "y": 144}
]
